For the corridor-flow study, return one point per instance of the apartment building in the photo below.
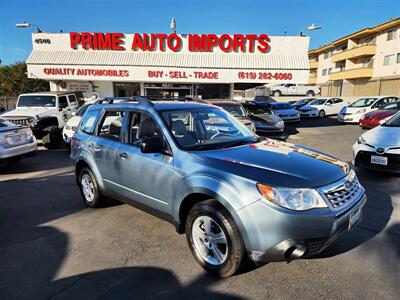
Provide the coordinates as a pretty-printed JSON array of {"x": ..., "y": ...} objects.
[{"x": 366, "y": 62}]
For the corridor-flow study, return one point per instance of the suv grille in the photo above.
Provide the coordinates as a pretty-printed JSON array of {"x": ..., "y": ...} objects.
[
  {"x": 19, "y": 121},
  {"x": 343, "y": 192}
]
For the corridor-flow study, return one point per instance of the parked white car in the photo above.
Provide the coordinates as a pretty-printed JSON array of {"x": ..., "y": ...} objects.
[
  {"x": 72, "y": 124},
  {"x": 353, "y": 112},
  {"x": 322, "y": 107},
  {"x": 16, "y": 142},
  {"x": 379, "y": 148},
  {"x": 294, "y": 89},
  {"x": 285, "y": 111}
]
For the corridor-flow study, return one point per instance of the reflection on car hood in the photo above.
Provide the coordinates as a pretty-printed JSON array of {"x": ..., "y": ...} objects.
[
  {"x": 268, "y": 118},
  {"x": 285, "y": 111},
  {"x": 380, "y": 114},
  {"x": 383, "y": 136},
  {"x": 352, "y": 110},
  {"x": 29, "y": 112},
  {"x": 277, "y": 163}
]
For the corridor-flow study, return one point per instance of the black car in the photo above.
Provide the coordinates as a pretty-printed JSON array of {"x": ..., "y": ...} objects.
[
  {"x": 300, "y": 103},
  {"x": 265, "y": 121}
]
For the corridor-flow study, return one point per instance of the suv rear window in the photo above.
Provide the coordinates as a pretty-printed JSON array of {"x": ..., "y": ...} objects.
[
  {"x": 88, "y": 123},
  {"x": 111, "y": 125},
  {"x": 33, "y": 100}
]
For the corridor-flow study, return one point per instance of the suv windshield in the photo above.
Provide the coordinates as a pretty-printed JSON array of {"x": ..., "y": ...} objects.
[
  {"x": 318, "y": 102},
  {"x": 206, "y": 128},
  {"x": 393, "y": 122},
  {"x": 363, "y": 102},
  {"x": 234, "y": 109},
  {"x": 44, "y": 101}
]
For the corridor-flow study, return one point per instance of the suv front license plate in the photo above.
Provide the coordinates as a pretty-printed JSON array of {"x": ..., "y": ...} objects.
[
  {"x": 355, "y": 216},
  {"x": 379, "y": 160}
]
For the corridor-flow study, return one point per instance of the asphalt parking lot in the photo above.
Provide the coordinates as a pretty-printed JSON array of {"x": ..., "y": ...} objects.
[{"x": 52, "y": 247}]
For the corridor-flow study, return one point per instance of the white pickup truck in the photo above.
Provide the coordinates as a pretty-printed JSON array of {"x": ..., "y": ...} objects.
[{"x": 294, "y": 89}]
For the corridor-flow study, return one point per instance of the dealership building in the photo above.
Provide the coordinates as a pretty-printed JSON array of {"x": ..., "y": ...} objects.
[{"x": 166, "y": 65}]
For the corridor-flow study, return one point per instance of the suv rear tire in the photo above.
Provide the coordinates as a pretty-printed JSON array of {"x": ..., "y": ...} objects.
[
  {"x": 89, "y": 189},
  {"x": 322, "y": 114},
  {"x": 53, "y": 138},
  {"x": 310, "y": 93},
  {"x": 214, "y": 239}
]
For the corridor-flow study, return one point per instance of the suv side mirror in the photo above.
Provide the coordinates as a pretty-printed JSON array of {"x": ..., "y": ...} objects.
[{"x": 152, "y": 145}]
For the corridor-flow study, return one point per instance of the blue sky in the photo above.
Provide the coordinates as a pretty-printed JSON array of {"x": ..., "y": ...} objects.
[{"x": 338, "y": 18}]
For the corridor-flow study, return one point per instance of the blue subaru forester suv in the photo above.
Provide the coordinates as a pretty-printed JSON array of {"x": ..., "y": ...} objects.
[{"x": 235, "y": 195}]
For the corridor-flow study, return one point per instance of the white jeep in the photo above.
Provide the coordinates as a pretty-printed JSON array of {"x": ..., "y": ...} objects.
[{"x": 46, "y": 113}]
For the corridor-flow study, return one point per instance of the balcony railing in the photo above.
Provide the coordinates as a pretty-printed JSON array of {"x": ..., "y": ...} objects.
[
  {"x": 364, "y": 72},
  {"x": 313, "y": 64},
  {"x": 359, "y": 51}
]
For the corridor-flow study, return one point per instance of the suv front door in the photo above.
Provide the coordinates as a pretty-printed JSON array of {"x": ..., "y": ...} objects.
[{"x": 147, "y": 178}]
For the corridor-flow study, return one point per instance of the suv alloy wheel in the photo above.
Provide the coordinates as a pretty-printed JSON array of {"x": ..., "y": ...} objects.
[
  {"x": 214, "y": 239},
  {"x": 89, "y": 188}
]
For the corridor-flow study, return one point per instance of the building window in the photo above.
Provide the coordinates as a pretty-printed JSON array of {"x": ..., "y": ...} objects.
[
  {"x": 329, "y": 70},
  {"x": 324, "y": 72},
  {"x": 327, "y": 55},
  {"x": 391, "y": 35},
  {"x": 398, "y": 58},
  {"x": 388, "y": 60}
]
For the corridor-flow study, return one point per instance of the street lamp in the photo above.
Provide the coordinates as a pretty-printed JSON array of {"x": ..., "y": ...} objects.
[
  {"x": 173, "y": 25},
  {"x": 312, "y": 27},
  {"x": 24, "y": 25}
]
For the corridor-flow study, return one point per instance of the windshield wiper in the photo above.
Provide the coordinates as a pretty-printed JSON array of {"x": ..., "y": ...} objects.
[{"x": 238, "y": 143}]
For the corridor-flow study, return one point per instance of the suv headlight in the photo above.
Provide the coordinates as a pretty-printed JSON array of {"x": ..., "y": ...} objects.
[
  {"x": 361, "y": 140},
  {"x": 280, "y": 123},
  {"x": 31, "y": 121},
  {"x": 294, "y": 199}
]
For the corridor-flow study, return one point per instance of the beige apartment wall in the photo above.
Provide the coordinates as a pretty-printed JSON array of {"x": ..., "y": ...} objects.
[{"x": 385, "y": 47}]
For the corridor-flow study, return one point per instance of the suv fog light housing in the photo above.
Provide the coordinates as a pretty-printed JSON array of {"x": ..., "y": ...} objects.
[{"x": 294, "y": 199}]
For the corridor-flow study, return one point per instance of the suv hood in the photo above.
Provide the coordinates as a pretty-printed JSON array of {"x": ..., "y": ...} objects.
[
  {"x": 352, "y": 110},
  {"x": 285, "y": 111},
  {"x": 277, "y": 163},
  {"x": 383, "y": 136},
  {"x": 30, "y": 112},
  {"x": 380, "y": 114},
  {"x": 244, "y": 120}
]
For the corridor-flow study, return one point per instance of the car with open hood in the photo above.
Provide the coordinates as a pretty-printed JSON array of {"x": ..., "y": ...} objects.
[
  {"x": 379, "y": 148},
  {"x": 235, "y": 195},
  {"x": 322, "y": 107},
  {"x": 353, "y": 112},
  {"x": 374, "y": 118}
]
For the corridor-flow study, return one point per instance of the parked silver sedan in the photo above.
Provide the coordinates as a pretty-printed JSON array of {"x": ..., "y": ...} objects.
[{"x": 16, "y": 142}]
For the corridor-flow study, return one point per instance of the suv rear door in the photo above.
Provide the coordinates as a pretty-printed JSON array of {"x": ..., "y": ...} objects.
[{"x": 103, "y": 146}]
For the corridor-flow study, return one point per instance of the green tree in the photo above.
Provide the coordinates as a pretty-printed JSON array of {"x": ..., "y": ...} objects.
[{"x": 14, "y": 81}]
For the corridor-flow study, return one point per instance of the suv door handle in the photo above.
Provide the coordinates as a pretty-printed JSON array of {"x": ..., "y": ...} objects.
[
  {"x": 124, "y": 155},
  {"x": 94, "y": 147}
]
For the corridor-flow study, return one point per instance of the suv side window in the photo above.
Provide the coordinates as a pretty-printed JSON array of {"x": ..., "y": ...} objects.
[
  {"x": 88, "y": 123},
  {"x": 72, "y": 99},
  {"x": 142, "y": 125},
  {"x": 329, "y": 102},
  {"x": 338, "y": 100},
  {"x": 111, "y": 125},
  {"x": 62, "y": 102}
]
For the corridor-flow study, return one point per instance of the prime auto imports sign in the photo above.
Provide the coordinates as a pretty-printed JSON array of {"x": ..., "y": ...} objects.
[{"x": 173, "y": 42}]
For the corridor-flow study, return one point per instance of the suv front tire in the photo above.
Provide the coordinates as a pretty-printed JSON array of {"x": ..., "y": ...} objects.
[
  {"x": 89, "y": 189},
  {"x": 214, "y": 239}
]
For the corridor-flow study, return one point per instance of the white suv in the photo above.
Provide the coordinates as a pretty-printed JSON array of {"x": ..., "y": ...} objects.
[
  {"x": 358, "y": 108},
  {"x": 46, "y": 113}
]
